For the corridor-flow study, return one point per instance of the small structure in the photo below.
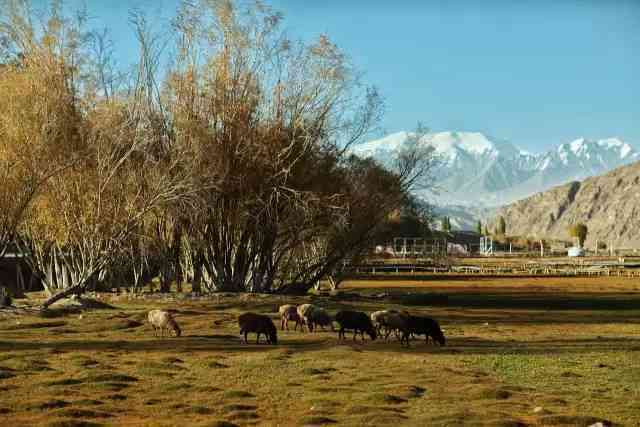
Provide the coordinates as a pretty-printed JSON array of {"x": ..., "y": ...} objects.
[{"x": 575, "y": 251}]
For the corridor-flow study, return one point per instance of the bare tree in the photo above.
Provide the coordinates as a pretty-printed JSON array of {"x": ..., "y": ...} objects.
[{"x": 269, "y": 123}]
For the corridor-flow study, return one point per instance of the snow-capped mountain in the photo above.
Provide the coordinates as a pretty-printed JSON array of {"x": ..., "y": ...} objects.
[{"x": 476, "y": 170}]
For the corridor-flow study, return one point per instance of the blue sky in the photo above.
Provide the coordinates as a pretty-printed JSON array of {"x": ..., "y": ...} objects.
[{"x": 535, "y": 73}]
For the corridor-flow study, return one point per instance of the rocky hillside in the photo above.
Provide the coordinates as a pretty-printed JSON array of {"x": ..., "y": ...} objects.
[{"x": 609, "y": 204}]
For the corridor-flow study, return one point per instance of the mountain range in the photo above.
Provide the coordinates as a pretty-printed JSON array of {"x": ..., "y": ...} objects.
[{"x": 477, "y": 172}]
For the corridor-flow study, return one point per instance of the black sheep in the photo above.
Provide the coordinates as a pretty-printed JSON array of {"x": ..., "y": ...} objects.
[
  {"x": 426, "y": 326},
  {"x": 356, "y": 321},
  {"x": 252, "y": 322}
]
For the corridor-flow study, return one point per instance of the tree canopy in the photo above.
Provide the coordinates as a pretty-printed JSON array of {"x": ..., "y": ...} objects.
[
  {"x": 579, "y": 231},
  {"x": 230, "y": 168}
]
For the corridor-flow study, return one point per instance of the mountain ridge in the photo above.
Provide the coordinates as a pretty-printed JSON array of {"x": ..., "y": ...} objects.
[
  {"x": 608, "y": 204},
  {"x": 477, "y": 170}
]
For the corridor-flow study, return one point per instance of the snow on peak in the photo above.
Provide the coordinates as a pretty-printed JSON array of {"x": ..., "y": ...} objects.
[
  {"x": 583, "y": 147},
  {"x": 578, "y": 144},
  {"x": 611, "y": 142},
  {"x": 446, "y": 144},
  {"x": 623, "y": 148},
  {"x": 474, "y": 142},
  {"x": 389, "y": 143},
  {"x": 451, "y": 145}
]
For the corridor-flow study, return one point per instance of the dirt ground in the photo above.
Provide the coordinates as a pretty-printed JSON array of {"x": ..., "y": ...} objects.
[{"x": 539, "y": 351}]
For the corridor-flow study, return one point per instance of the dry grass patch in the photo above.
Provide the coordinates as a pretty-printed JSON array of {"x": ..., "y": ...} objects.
[{"x": 511, "y": 347}]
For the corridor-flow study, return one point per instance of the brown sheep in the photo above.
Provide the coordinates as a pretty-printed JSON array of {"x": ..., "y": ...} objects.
[
  {"x": 288, "y": 313},
  {"x": 252, "y": 322}
]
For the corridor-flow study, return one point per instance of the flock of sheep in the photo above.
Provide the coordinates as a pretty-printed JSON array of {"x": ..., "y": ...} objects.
[{"x": 378, "y": 323}]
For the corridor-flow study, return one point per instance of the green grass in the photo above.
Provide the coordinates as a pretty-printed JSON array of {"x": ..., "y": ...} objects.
[{"x": 512, "y": 346}]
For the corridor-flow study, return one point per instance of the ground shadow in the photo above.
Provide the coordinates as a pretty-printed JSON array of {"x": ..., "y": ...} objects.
[{"x": 455, "y": 345}]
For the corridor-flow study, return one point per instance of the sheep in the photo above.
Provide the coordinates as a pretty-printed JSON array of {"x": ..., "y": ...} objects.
[
  {"x": 397, "y": 321},
  {"x": 357, "y": 321},
  {"x": 252, "y": 322},
  {"x": 304, "y": 311},
  {"x": 163, "y": 320},
  {"x": 312, "y": 316},
  {"x": 387, "y": 321},
  {"x": 376, "y": 319},
  {"x": 425, "y": 326},
  {"x": 289, "y": 312},
  {"x": 319, "y": 317}
]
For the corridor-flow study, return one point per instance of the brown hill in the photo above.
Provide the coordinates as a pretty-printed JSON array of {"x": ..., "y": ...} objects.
[{"x": 608, "y": 204}]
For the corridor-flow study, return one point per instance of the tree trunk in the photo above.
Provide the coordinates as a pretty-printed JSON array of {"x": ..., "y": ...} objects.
[
  {"x": 76, "y": 289},
  {"x": 165, "y": 279},
  {"x": 196, "y": 286}
]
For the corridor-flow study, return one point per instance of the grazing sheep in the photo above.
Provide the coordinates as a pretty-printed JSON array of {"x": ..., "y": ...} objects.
[
  {"x": 304, "y": 311},
  {"x": 397, "y": 321},
  {"x": 425, "y": 326},
  {"x": 252, "y": 322},
  {"x": 163, "y": 320},
  {"x": 288, "y": 313},
  {"x": 387, "y": 321},
  {"x": 377, "y": 320},
  {"x": 319, "y": 317},
  {"x": 356, "y": 321}
]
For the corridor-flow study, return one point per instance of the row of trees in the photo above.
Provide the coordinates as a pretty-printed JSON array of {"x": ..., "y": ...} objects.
[
  {"x": 500, "y": 230},
  {"x": 578, "y": 231},
  {"x": 228, "y": 167}
]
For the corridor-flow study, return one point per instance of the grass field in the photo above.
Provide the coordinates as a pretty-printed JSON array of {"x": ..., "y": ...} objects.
[{"x": 570, "y": 346}]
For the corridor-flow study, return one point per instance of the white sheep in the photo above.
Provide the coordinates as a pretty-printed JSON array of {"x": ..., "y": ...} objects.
[
  {"x": 303, "y": 311},
  {"x": 163, "y": 320}
]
